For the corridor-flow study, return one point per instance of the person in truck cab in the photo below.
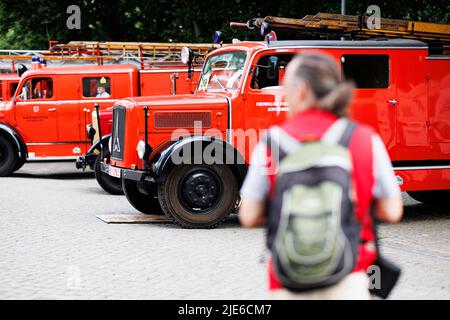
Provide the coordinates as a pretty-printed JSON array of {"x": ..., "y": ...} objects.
[
  {"x": 318, "y": 98},
  {"x": 25, "y": 94},
  {"x": 101, "y": 92}
]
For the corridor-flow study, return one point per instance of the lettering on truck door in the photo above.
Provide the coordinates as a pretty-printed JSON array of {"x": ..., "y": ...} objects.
[
  {"x": 36, "y": 111},
  {"x": 264, "y": 99}
]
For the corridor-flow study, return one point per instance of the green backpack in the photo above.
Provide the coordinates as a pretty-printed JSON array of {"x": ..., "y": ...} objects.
[{"x": 312, "y": 229}]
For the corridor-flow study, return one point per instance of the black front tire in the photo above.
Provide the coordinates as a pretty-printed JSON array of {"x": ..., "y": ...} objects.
[
  {"x": 432, "y": 197},
  {"x": 8, "y": 157},
  {"x": 19, "y": 164},
  {"x": 198, "y": 196},
  {"x": 110, "y": 184},
  {"x": 146, "y": 203}
]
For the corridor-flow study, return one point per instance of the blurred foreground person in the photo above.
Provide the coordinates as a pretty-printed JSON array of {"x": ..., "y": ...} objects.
[{"x": 314, "y": 180}]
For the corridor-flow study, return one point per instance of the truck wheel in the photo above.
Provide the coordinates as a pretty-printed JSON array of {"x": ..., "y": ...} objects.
[
  {"x": 434, "y": 197},
  {"x": 8, "y": 157},
  {"x": 145, "y": 203},
  {"x": 19, "y": 164},
  {"x": 198, "y": 196},
  {"x": 110, "y": 184}
]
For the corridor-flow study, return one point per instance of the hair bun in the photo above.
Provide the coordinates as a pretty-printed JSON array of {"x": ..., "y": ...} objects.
[{"x": 337, "y": 100}]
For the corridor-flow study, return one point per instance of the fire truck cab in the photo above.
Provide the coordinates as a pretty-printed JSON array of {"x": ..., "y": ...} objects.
[{"x": 402, "y": 91}]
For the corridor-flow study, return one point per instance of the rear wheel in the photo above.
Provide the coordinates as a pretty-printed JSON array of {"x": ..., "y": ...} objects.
[
  {"x": 143, "y": 197},
  {"x": 8, "y": 157},
  {"x": 110, "y": 184},
  {"x": 435, "y": 197},
  {"x": 198, "y": 196}
]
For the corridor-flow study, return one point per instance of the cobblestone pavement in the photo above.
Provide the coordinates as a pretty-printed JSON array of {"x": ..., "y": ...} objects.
[{"x": 52, "y": 246}]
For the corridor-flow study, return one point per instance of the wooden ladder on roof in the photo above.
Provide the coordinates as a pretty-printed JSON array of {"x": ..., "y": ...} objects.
[
  {"x": 147, "y": 54},
  {"x": 355, "y": 27},
  {"x": 150, "y": 52}
]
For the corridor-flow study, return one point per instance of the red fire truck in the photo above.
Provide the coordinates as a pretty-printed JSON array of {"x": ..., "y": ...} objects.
[
  {"x": 47, "y": 116},
  {"x": 402, "y": 91}
]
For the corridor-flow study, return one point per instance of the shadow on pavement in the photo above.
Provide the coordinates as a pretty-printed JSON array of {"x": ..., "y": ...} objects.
[
  {"x": 61, "y": 176},
  {"x": 421, "y": 212},
  {"x": 95, "y": 190},
  {"x": 231, "y": 221}
]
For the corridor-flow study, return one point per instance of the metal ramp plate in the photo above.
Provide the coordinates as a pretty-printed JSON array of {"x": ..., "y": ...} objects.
[{"x": 133, "y": 218}]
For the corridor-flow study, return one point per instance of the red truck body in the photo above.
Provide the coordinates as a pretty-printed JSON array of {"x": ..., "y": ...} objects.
[
  {"x": 46, "y": 117},
  {"x": 402, "y": 91}
]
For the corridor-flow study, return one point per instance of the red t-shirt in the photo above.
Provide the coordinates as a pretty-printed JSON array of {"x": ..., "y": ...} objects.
[{"x": 314, "y": 123}]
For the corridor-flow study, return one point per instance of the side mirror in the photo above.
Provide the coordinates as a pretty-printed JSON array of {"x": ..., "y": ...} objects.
[
  {"x": 272, "y": 68},
  {"x": 21, "y": 70},
  {"x": 187, "y": 57}
]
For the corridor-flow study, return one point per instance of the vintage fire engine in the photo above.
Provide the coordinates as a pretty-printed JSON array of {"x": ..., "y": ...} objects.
[
  {"x": 402, "y": 91},
  {"x": 47, "y": 116},
  {"x": 171, "y": 75}
]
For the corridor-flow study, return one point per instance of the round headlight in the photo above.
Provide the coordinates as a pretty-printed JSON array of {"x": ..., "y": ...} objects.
[
  {"x": 141, "y": 149},
  {"x": 186, "y": 55}
]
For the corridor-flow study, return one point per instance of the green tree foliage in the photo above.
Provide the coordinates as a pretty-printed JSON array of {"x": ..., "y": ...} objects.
[{"x": 28, "y": 24}]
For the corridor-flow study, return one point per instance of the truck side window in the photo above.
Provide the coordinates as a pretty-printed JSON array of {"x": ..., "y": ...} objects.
[
  {"x": 260, "y": 79},
  {"x": 367, "y": 71},
  {"x": 37, "y": 88},
  {"x": 13, "y": 87},
  {"x": 98, "y": 87}
]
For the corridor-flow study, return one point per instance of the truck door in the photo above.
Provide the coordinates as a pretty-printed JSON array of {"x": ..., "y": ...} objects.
[
  {"x": 439, "y": 98},
  {"x": 36, "y": 108},
  {"x": 375, "y": 95},
  {"x": 69, "y": 125},
  {"x": 412, "y": 107},
  {"x": 264, "y": 98}
]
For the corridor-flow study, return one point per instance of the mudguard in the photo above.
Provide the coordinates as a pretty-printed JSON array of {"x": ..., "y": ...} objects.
[
  {"x": 15, "y": 138},
  {"x": 88, "y": 159},
  {"x": 96, "y": 144},
  {"x": 162, "y": 156}
]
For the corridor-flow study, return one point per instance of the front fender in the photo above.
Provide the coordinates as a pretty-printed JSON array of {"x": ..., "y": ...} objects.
[
  {"x": 88, "y": 159},
  {"x": 15, "y": 139},
  {"x": 166, "y": 154},
  {"x": 96, "y": 145}
]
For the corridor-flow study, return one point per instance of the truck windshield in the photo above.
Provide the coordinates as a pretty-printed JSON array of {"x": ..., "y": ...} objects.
[{"x": 223, "y": 71}]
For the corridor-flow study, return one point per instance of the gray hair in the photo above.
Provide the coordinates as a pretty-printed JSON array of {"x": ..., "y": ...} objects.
[{"x": 321, "y": 74}]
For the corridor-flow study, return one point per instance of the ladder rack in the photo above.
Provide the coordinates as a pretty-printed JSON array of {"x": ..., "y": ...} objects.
[
  {"x": 355, "y": 27},
  {"x": 146, "y": 54}
]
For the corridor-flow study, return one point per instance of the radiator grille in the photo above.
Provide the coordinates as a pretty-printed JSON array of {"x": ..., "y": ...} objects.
[
  {"x": 118, "y": 133},
  {"x": 181, "y": 119}
]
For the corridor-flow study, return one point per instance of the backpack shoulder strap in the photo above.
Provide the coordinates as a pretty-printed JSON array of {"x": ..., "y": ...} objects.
[
  {"x": 280, "y": 143},
  {"x": 340, "y": 132},
  {"x": 347, "y": 135}
]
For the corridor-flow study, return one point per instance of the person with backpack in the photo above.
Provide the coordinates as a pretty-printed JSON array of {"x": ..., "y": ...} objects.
[{"x": 317, "y": 180}]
